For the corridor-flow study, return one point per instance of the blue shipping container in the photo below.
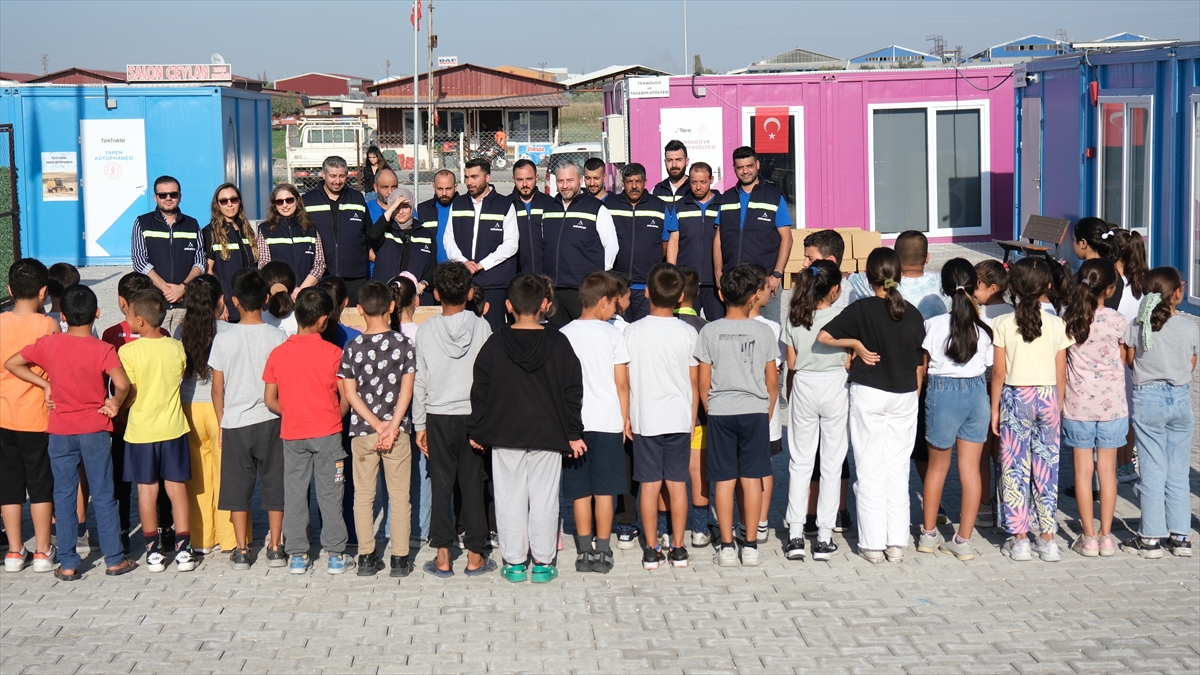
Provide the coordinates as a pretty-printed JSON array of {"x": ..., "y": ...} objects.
[{"x": 87, "y": 156}]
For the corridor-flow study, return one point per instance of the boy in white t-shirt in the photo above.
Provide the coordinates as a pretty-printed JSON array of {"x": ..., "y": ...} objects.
[
  {"x": 664, "y": 394},
  {"x": 776, "y": 425},
  {"x": 599, "y": 474}
]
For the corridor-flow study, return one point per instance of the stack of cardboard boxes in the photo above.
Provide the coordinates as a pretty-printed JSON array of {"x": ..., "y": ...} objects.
[{"x": 859, "y": 244}]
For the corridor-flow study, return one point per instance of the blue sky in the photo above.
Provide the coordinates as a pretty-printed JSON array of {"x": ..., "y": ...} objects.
[{"x": 358, "y": 37}]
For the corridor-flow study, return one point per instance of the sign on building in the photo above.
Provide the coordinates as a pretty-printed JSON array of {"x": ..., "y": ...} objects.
[
  {"x": 447, "y": 61},
  {"x": 175, "y": 72},
  {"x": 649, "y": 87}
]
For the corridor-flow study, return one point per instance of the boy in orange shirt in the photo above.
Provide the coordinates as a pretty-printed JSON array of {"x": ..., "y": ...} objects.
[{"x": 24, "y": 416}]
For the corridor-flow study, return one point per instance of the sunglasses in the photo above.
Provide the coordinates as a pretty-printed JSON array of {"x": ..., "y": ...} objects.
[
  {"x": 227, "y": 201},
  {"x": 285, "y": 201},
  {"x": 167, "y": 195}
]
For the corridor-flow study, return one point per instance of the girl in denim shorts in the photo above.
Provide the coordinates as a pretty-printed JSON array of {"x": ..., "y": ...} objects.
[
  {"x": 958, "y": 351},
  {"x": 1095, "y": 415}
]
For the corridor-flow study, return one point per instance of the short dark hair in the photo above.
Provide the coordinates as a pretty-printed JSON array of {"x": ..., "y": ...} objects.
[
  {"x": 375, "y": 298},
  {"x": 526, "y": 292},
  {"x": 738, "y": 284},
  {"x": 827, "y": 243},
  {"x": 675, "y": 145},
  {"x": 744, "y": 152},
  {"x": 311, "y": 305},
  {"x": 703, "y": 166},
  {"x": 593, "y": 163},
  {"x": 691, "y": 283},
  {"x": 479, "y": 162},
  {"x": 597, "y": 286},
  {"x": 622, "y": 280},
  {"x": 79, "y": 305},
  {"x": 132, "y": 283},
  {"x": 26, "y": 277},
  {"x": 150, "y": 305},
  {"x": 478, "y": 301},
  {"x": 523, "y": 163},
  {"x": 61, "y": 277},
  {"x": 633, "y": 169},
  {"x": 912, "y": 247},
  {"x": 665, "y": 284},
  {"x": 249, "y": 288},
  {"x": 452, "y": 280},
  {"x": 760, "y": 273},
  {"x": 165, "y": 179}
]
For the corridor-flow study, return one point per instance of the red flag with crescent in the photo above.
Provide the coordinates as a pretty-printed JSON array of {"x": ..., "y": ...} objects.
[{"x": 771, "y": 130}]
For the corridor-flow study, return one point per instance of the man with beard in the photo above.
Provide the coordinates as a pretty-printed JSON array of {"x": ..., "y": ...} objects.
[
  {"x": 531, "y": 205},
  {"x": 578, "y": 238},
  {"x": 692, "y": 245},
  {"x": 643, "y": 223},
  {"x": 675, "y": 185},
  {"x": 437, "y": 209},
  {"x": 593, "y": 178},
  {"x": 166, "y": 246},
  {"x": 482, "y": 234},
  {"x": 340, "y": 216}
]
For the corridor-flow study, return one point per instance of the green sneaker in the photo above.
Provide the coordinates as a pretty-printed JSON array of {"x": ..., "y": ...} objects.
[
  {"x": 515, "y": 573},
  {"x": 544, "y": 574}
]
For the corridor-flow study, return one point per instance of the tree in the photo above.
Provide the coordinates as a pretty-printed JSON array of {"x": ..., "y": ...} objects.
[
  {"x": 282, "y": 106},
  {"x": 699, "y": 68}
]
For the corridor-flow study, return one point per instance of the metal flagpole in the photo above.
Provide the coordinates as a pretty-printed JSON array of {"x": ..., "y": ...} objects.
[
  {"x": 416, "y": 22},
  {"x": 685, "y": 48}
]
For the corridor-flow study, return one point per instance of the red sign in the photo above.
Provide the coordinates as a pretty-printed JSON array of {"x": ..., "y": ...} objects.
[
  {"x": 202, "y": 72},
  {"x": 771, "y": 130}
]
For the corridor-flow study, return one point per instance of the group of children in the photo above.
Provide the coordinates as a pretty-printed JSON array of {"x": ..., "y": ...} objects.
[{"x": 884, "y": 362}]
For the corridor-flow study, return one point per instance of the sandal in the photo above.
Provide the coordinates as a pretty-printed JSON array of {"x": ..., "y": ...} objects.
[
  {"x": 58, "y": 574},
  {"x": 125, "y": 567}
]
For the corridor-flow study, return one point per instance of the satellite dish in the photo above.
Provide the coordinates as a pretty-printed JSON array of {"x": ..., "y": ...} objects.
[{"x": 217, "y": 58}]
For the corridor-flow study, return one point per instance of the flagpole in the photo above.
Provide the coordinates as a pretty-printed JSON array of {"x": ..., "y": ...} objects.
[
  {"x": 416, "y": 22},
  {"x": 685, "y": 47}
]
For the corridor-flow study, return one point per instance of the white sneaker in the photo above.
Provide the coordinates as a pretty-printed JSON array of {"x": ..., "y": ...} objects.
[
  {"x": 751, "y": 557},
  {"x": 1017, "y": 549},
  {"x": 46, "y": 562},
  {"x": 701, "y": 539},
  {"x": 726, "y": 556},
  {"x": 894, "y": 554},
  {"x": 185, "y": 560},
  {"x": 1048, "y": 550},
  {"x": 155, "y": 561}
]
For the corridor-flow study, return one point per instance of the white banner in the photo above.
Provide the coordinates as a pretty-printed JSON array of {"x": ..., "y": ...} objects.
[
  {"x": 114, "y": 174},
  {"x": 700, "y": 130},
  {"x": 649, "y": 87},
  {"x": 60, "y": 177}
]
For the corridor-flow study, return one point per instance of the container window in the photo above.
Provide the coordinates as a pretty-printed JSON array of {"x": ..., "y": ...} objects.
[
  {"x": 901, "y": 170},
  {"x": 1112, "y": 161},
  {"x": 1193, "y": 291},
  {"x": 959, "y": 170},
  {"x": 1124, "y": 173}
]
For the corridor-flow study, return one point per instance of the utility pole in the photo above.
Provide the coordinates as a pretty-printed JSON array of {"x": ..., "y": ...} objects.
[
  {"x": 387, "y": 68},
  {"x": 45, "y": 64},
  {"x": 542, "y": 66},
  {"x": 429, "y": 81},
  {"x": 685, "y": 47}
]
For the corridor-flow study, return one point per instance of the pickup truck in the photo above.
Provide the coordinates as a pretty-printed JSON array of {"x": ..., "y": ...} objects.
[{"x": 316, "y": 140}]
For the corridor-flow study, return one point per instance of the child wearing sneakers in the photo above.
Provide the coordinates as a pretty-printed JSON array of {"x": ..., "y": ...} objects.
[
  {"x": 698, "y": 516},
  {"x": 80, "y": 423},
  {"x": 526, "y": 405},
  {"x": 664, "y": 397},
  {"x": 156, "y": 444},
  {"x": 301, "y": 379},
  {"x": 251, "y": 445},
  {"x": 24, "y": 416},
  {"x": 377, "y": 373},
  {"x": 599, "y": 474},
  {"x": 738, "y": 383}
]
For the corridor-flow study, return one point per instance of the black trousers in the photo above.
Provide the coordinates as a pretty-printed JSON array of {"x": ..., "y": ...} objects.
[
  {"x": 352, "y": 286},
  {"x": 497, "y": 313},
  {"x": 639, "y": 305},
  {"x": 566, "y": 307},
  {"x": 710, "y": 303},
  {"x": 451, "y": 460}
]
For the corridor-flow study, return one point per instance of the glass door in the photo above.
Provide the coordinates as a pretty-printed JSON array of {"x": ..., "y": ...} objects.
[{"x": 1123, "y": 191}]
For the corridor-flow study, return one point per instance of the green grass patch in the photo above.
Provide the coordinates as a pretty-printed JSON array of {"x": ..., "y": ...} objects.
[
  {"x": 7, "y": 203},
  {"x": 279, "y": 143}
]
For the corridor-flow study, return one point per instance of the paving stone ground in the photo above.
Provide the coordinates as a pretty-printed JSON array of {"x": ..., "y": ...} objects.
[{"x": 930, "y": 614}]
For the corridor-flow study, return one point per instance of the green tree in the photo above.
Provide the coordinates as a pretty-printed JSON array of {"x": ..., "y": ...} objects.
[{"x": 282, "y": 106}]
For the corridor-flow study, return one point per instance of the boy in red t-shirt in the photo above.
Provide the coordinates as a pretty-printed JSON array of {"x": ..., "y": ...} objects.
[
  {"x": 119, "y": 335},
  {"x": 301, "y": 379},
  {"x": 81, "y": 415}
]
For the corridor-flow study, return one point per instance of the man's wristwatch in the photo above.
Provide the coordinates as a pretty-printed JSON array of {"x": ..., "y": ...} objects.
[{"x": 777, "y": 274}]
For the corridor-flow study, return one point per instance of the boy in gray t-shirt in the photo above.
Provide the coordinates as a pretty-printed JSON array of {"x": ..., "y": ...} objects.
[{"x": 738, "y": 385}]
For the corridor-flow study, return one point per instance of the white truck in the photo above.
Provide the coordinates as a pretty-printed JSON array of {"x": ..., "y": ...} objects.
[{"x": 316, "y": 139}]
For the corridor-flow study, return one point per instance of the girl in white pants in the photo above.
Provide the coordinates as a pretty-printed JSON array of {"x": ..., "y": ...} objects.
[
  {"x": 885, "y": 333},
  {"x": 817, "y": 407}
]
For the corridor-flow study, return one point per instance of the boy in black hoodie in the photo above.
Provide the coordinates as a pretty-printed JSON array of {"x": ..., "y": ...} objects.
[{"x": 530, "y": 418}]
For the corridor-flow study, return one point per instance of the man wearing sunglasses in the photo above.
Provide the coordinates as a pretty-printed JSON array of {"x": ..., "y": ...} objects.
[
  {"x": 166, "y": 246},
  {"x": 340, "y": 215}
]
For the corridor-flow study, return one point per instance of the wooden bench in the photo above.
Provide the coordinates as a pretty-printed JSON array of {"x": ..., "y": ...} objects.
[{"x": 1038, "y": 237}]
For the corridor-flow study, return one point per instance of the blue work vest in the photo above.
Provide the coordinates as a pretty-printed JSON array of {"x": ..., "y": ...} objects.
[
  {"x": 697, "y": 229},
  {"x": 492, "y": 211},
  {"x": 639, "y": 233},
  {"x": 754, "y": 240},
  {"x": 571, "y": 246}
]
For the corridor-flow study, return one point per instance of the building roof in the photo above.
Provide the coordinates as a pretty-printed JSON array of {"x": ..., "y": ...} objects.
[
  {"x": 442, "y": 72},
  {"x": 16, "y": 77},
  {"x": 339, "y": 76},
  {"x": 795, "y": 60},
  {"x": 530, "y": 101},
  {"x": 894, "y": 52},
  {"x": 115, "y": 76},
  {"x": 534, "y": 73},
  {"x": 1126, "y": 37},
  {"x": 599, "y": 77},
  {"x": 1027, "y": 40}
]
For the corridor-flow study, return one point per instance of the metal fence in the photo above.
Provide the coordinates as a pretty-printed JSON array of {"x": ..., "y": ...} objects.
[{"x": 10, "y": 213}]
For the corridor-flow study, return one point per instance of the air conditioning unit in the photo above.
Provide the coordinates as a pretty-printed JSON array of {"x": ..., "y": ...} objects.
[{"x": 616, "y": 147}]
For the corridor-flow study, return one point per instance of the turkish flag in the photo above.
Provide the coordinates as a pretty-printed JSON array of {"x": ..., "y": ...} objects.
[
  {"x": 414, "y": 14},
  {"x": 771, "y": 130}
]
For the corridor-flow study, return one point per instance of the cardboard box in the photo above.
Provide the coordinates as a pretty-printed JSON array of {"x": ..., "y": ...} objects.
[
  {"x": 849, "y": 266},
  {"x": 790, "y": 271},
  {"x": 865, "y": 242},
  {"x": 352, "y": 319},
  {"x": 423, "y": 313}
]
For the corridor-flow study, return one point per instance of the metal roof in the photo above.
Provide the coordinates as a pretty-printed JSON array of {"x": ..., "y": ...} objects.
[
  {"x": 611, "y": 72},
  {"x": 531, "y": 101}
]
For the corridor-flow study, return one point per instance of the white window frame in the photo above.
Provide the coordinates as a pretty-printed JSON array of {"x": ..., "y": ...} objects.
[
  {"x": 1127, "y": 137},
  {"x": 1193, "y": 292},
  {"x": 931, "y": 109},
  {"x": 529, "y": 111},
  {"x": 796, "y": 111}
]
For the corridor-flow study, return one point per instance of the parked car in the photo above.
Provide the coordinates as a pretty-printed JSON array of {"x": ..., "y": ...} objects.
[
  {"x": 576, "y": 152},
  {"x": 317, "y": 139}
]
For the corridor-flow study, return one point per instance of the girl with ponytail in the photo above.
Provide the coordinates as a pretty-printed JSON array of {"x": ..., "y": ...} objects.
[
  {"x": 1029, "y": 374},
  {"x": 281, "y": 287},
  {"x": 1096, "y": 239},
  {"x": 1162, "y": 348},
  {"x": 1131, "y": 271},
  {"x": 1095, "y": 414},
  {"x": 958, "y": 351},
  {"x": 885, "y": 333},
  {"x": 818, "y": 404}
]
